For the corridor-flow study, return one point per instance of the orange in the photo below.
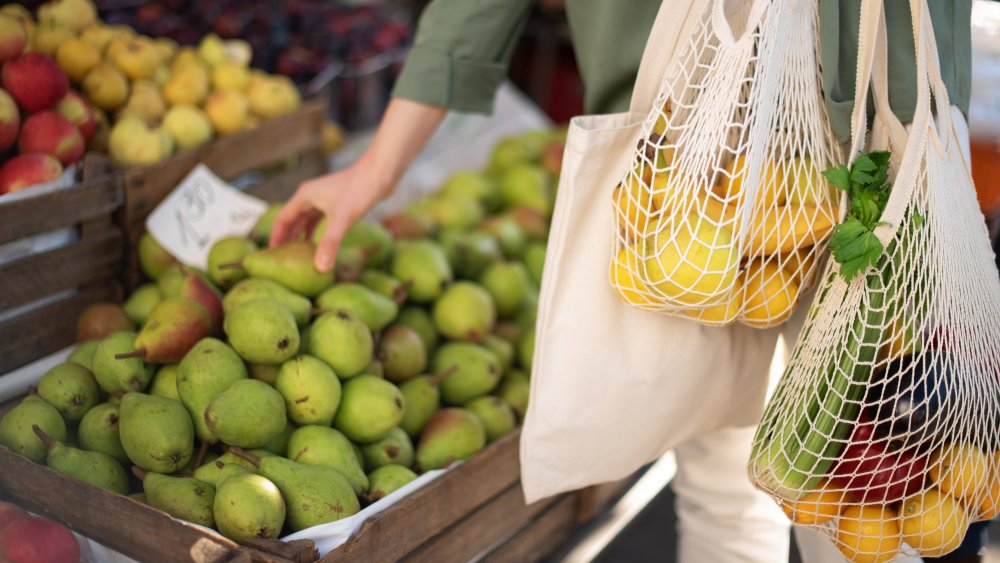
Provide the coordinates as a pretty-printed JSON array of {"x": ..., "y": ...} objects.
[
  {"x": 933, "y": 523},
  {"x": 960, "y": 470},
  {"x": 989, "y": 507},
  {"x": 868, "y": 533},
  {"x": 816, "y": 507},
  {"x": 770, "y": 294}
]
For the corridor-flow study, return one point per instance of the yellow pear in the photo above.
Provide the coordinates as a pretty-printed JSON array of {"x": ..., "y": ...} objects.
[
  {"x": 691, "y": 260},
  {"x": 138, "y": 58},
  {"x": 18, "y": 12},
  {"x": 98, "y": 36},
  {"x": 230, "y": 76},
  {"x": 186, "y": 56},
  {"x": 49, "y": 36},
  {"x": 227, "y": 110},
  {"x": 133, "y": 143},
  {"x": 273, "y": 97},
  {"x": 781, "y": 229},
  {"x": 770, "y": 293},
  {"x": 167, "y": 48},
  {"x": 188, "y": 85},
  {"x": 188, "y": 125},
  {"x": 73, "y": 14},
  {"x": 77, "y": 57},
  {"x": 257, "y": 76},
  {"x": 106, "y": 87},
  {"x": 212, "y": 50},
  {"x": 144, "y": 102},
  {"x": 625, "y": 278},
  {"x": 116, "y": 45},
  {"x": 160, "y": 76}
]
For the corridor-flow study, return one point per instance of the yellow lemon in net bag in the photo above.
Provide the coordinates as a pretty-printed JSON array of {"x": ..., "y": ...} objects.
[
  {"x": 781, "y": 229},
  {"x": 770, "y": 293},
  {"x": 868, "y": 533},
  {"x": 691, "y": 260},
  {"x": 960, "y": 469},
  {"x": 772, "y": 189},
  {"x": 625, "y": 279},
  {"x": 933, "y": 523}
]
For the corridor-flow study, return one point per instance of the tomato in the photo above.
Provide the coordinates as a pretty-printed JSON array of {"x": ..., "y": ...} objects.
[{"x": 870, "y": 472}]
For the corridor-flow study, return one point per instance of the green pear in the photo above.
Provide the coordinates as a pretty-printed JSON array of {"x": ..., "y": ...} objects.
[
  {"x": 181, "y": 497},
  {"x": 510, "y": 152},
  {"x": 165, "y": 382},
  {"x": 291, "y": 265},
  {"x": 497, "y": 416},
  {"x": 363, "y": 235},
  {"x": 327, "y": 447},
  {"x": 534, "y": 222},
  {"x": 247, "y": 413},
  {"x": 224, "y": 260},
  {"x": 454, "y": 211},
  {"x": 408, "y": 225},
  {"x": 261, "y": 231},
  {"x": 342, "y": 341},
  {"x": 278, "y": 445},
  {"x": 527, "y": 185},
  {"x": 208, "y": 369},
  {"x": 113, "y": 374},
  {"x": 141, "y": 302},
  {"x": 509, "y": 331},
  {"x": 526, "y": 348},
  {"x": 420, "y": 320},
  {"x": 504, "y": 350},
  {"x": 422, "y": 397},
  {"x": 509, "y": 233},
  {"x": 508, "y": 284},
  {"x": 534, "y": 261},
  {"x": 351, "y": 262},
  {"x": 268, "y": 373},
  {"x": 313, "y": 494},
  {"x": 402, "y": 353},
  {"x": 153, "y": 258},
  {"x": 16, "y": 427},
  {"x": 395, "y": 447},
  {"x": 100, "y": 470},
  {"x": 171, "y": 283},
  {"x": 210, "y": 470},
  {"x": 478, "y": 371},
  {"x": 98, "y": 432},
  {"x": 248, "y": 506},
  {"x": 83, "y": 354},
  {"x": 255, "y": 288},
  {"x": 173, "y": 328},
  {"x": 156, "y": 432},
  {"x": 424, "y": 264},
  {"x": 263, "y": 332},
  {"x": 71, "y": 389},
  {"x": 370, "y": 408},
  {"x": 464, "y": 311},
  {"x": 373, "y": 308},
  {"x": 387, "y": 479},
  {"x": 474, "y": 185},
  {"x": 311, "y": 390},
  {"x": 451, "y": 435},
  {"x": 470, "y": 252},
  {"x": 515, "y": 393},
  {"x": 528, "y": 314},
  {"x": 384, "y": 284}
]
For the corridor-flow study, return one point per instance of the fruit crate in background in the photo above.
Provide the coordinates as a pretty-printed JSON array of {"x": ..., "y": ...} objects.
[
  {"x": 40, "y": 293},
  {"x": 279, "y": 154}
]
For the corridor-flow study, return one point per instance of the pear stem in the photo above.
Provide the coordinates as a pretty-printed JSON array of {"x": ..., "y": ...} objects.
[
  {"x": 231, "y": 265},
  {"x": 137, "y": 353},
  {"x": 45, "y": 438},
  {"x": 439, "y": 377},
  {"x": 238, "y": 452},
  {"x": 202, "y": 449},
  {"x": 139, "y": 472},
  {"x": 32, "y": 390},
  {"x": 400, "y": 294}
]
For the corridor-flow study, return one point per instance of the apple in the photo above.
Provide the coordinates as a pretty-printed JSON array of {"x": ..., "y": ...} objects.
[
  {"x": 13, "y": 37},
  {"x": 77, "y": 110},
  {"x": 38, "y": 540},
  {"x": 26, "y": 170},
  {"x": 10, "y": 121},
  {"x": 10, "y": 513},
  {"x": 50, "y": 132},
  {"x": 34, "y": 81},
  {"x": 871, "y": 472}
]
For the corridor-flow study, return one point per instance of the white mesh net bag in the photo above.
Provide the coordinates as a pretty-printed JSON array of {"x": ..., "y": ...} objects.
[
  {"x": 723, "y": 212},
  {"x": 884, "y": 431}
]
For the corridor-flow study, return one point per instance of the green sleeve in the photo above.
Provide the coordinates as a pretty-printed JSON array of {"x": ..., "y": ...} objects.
[
  {"x": 839, "y": 20},
  {"x": 461, "y": 53}
]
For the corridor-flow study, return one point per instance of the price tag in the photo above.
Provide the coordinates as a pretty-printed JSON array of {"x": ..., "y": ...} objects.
[{"x": 201, "y": 210}]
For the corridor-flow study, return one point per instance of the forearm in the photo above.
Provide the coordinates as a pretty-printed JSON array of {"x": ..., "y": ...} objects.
[{"x": 405, "y": 129}]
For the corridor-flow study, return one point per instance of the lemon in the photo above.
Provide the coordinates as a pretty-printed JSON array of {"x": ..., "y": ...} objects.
[
  {"x": 632, "y": 205},
  {"x": 960, "y": 470},
  {"x": 624, "y": 278},
  {"x": 989, "y": 506},
  {"x": 816, "y": 507},
  {"x": 782, "y": 229},
  {"x": 805, "y": 183},
  {"x": 933, "y": 523},
  {"x": 868, "y": 534},
  {"x": 770, "y": 294},
  {"x": 772, "y": 189},
  {"x": 691, "y": 260}
]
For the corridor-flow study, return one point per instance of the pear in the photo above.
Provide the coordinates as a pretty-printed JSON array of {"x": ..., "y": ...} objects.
[
  {"x": 395, "y": 447},
  {"x": 138, "y": 58},
  {"x": 291, "y": 265},
  {"x": 451, "y": 435},
  {"x": 278, "y": 445},
  {"x": 153, "y": 258},
  {"x": 196, "y": 287},
  {"x": 165, "y": 382},
  {"x": 504, "y": 350},
  {"x": 496, "y": 415},
  {"x": 106, "y": 87},
  {"x": 387, "y": 479},
  {"x": 156, "y": 432},
  {"x": 273, "y": 97},
  {"x": 16, "y": 427},
  {"x": 534, "y": 223},
  {"x": 534, "y": 261},
  {"x": 211, "y": 470},
  {"x": 226, "y": 251},
  {"x": 422, "y": 397},
  {"x": 96, "y": 468},
  {"x": 227, "y": 110},
  {"x": 313, "y": 494},
  {"x": 342, "y": 341},
  {"x": 83, "y": 354},
  {"x": 311, "y": 390},
  {"x": 212, "y": 50},
  {"x": 424, "y": 264},
  {"x": 248, "y": 413},
  {"x": 113, "y": 374},
  {"x": 248, "y": 506},
  {"x": 141, "y": 302},
  {"x": 261, "y": 231},
  {"x": 74, "y": 14},
  {"x": 455, "y": 211},
  {"x": 186, "y": 85},
  {"x": 384, "y": 284},
  {"x": 527, "y": 185},
  {"x": 464, "y": 311},
  {"x": 132, "y": 142},
  {"x": 71, "y": 389},
  {"x": 370, "y": 408},
  {"x": 407, "y": 225},
  {"x": 181, "y": 497},
  {"x": 373, "y": 308},
  {"x": 174, "y": 277},
  {"x": 175, "y": 325},
  {"x": 263, "y": 332},
  {"x": 98, "y": 320},
  {"x": 326, "y": 447},
  {"x": 512, "y": 237},
  {"x": 526, "y": 348},
  {"x": 402, "y": 353},
  {"x": 420, "y": 320},
  {"x": 208, "y": 369},
  {"x": 77, "y": 57},
  {"x": 265, "y": 372},
  {"x": 188, "y": 125},
  {"x": 98, "y": 432},
  {"x": 351, "y": 263},
  {"x": 374, "y": 238},
  {"x": 255, "y": 288},
  {"x": 478, "y": 371},
  {"x": 508, "y": 284},
  {"x": 473, "y": 185},
  {"x": 144, "y": 102},
  {"x": 470, "y": 252},
  {"x": 229, "y": 75},
  {"x": 515, "y": 393}
]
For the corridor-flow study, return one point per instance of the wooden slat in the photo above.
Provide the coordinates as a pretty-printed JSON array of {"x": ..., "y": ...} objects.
[
  {"x": 403, "y": 527},
  {"x": 489, "y": 524},
  {"x": 61, "y": 208},
  {"x": 37, "y": 333},
  {"x": 87, "y": 261},
  {"x": 593, "y": 500},
  {"x": 540, "y": 538}
]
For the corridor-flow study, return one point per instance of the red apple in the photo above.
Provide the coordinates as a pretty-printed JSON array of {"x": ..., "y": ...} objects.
[
  {"x": 13, "y": 37},
  {"x": 26, "y": 170},
  {"x": 10, "y": 513},
  {"x": 34, "y": 81},
  {"x": 38, "y": 540},
  {"x": 78, "y": 111},
  {"x": 10, "y": 121},
  {"x": 49, "y": 132}
]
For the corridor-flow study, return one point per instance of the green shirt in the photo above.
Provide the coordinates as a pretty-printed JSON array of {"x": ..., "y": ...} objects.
[{"x": 463, "y": 48}]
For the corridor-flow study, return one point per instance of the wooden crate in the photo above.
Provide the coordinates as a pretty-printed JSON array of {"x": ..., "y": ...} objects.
[{"x": 67, "y": 278}]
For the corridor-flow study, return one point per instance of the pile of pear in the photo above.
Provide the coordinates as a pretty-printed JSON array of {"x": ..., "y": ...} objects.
[
  {"x": 263, "y": 397},
  {"x": 151, "y": 97}
]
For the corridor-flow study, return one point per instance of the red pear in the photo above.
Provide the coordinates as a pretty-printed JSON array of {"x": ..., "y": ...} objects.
[
  {"x": 51, "y": 133},
  {"x": 174, "y": 326},
  {"x": 38, "y": 540},
  {"x": 101, "y": 319},
  {"x": 10, "y": 121},
  {"x": 34, "y": 81},
  {"x": 195, "y": 287},
  {"x": 26, "y": 170},
  {"x": 78, "y": 111}
]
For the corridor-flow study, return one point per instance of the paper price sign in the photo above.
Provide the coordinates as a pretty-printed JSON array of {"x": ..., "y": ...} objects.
[{"x": 201, "y": 210}]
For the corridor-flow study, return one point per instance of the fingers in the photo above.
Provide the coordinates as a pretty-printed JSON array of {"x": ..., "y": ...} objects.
[
  {"x": 326, "y": 251},
  {"x": 287, "y": 220}
]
